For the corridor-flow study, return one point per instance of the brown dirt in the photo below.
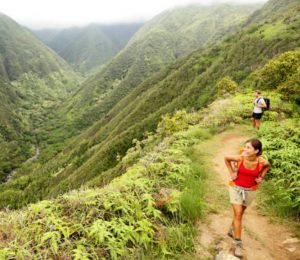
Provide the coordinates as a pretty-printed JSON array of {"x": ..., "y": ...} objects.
[{"x": 262, "y": 239}]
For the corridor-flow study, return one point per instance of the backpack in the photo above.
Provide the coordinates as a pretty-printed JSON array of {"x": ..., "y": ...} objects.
[{"x": 268, "y": 104}]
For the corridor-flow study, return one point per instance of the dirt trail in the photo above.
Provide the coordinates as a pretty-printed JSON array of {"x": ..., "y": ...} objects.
[{"x": 262, "y": 239}]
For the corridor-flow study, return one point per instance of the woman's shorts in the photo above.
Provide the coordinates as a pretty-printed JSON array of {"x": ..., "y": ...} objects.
[
  {"x": 257, "y": 115},
  {"x": 236, "y": 197}
]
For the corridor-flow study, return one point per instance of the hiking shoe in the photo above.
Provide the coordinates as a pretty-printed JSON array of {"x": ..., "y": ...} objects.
[
  {"x": 230, "y": 232},
  {"x": 238, "y": 250}
]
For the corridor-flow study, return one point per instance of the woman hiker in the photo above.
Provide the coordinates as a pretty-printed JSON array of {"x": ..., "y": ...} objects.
[{"x": 246, "y": 171}]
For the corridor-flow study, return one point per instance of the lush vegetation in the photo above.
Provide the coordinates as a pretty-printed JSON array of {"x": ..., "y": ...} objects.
[
  {"x": 133, "y": 169},
  {"x": 282, "y": 146},
  {"x": 32, "y": 81},
  {"x": 189, "y": 83},
  {"x": 282, "y": 74},
  {"x": 86, "y": 48},
  {"x": 170, "y": 35},
  {"x": 22, "y": 53},
  {"x": 147, "y": 212},
  {"x": 15, "y": 141},
  {"x": 226, "y": 86}
]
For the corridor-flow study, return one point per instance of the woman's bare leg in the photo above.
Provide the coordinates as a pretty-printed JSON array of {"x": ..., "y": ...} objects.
[{"x": 238, "y": 212}]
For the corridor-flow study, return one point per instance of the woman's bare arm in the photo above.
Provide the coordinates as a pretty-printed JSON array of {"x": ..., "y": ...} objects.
[
  {"x": 265, "y": 168},
  {"x": 228, "y": 159}
]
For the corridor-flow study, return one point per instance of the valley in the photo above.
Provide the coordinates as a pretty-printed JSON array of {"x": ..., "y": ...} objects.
[{"x": 103, "y": 131}]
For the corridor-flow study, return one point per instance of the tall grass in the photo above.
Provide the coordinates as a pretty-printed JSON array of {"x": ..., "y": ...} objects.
[{"x": 191, "y": 201}]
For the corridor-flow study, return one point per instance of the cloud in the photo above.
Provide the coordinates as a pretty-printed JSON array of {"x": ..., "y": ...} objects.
[{"x": 62, "y": 13}]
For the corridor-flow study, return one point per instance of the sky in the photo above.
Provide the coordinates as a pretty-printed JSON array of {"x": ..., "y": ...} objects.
[{"x": 38, "y": 14}]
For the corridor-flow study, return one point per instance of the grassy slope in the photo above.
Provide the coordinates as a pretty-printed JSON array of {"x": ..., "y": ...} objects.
[
  {"x": 120, "y": 220},
  {"x": 14, "y": 147},
  {"x": 180, "y": 85},
  {"x": 22, "y": 52},
  {"x": 168, "y": 36},
  {"x": 151, "y": 49},
  {"x": 33, "y": 79},
  {"x": 96, "y": 150},
  {"x": 34, "y": 70}
]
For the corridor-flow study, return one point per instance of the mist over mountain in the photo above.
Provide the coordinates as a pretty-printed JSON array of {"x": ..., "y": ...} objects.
[
  {"x": 57, "y": 14},
  {"x": 162, "y": 40},
  {"x": 189, "y": 82},
  {"x": 88, "y": 47},
  {"x": 121, "y": 164}
]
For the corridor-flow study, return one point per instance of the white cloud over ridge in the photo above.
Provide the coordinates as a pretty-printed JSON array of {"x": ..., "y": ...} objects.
[{"x": 63, "y": 13}]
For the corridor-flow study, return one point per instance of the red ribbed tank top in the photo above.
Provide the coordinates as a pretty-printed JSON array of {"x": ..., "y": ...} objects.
[{"x": 245, "y": 177}]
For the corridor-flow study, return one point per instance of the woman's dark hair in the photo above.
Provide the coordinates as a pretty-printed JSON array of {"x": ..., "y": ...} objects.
[{"x": 257, "y": 145}]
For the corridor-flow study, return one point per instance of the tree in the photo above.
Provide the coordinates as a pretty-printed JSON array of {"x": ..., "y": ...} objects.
[
  {"x": 278, "y": 70},
  {"x": 226, "y": 86}
]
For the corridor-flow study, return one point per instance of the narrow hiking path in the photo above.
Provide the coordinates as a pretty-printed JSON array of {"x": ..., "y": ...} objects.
[{"x": 262, "y": 240}]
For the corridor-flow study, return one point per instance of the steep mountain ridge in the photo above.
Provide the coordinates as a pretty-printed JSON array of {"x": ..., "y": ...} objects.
[
  {"x": 15, "y": 140},
  {"x": 276, "y": 8},
  {"x": 168, "y": 185},
  {"x": 188, "y": 83},
  {"x": 15, "y": 61},
  {"x": 86, "y": 48},
  {"x": 159, "y": 42},
  {"x": 32, "y": 80},
  {"x": 24, "y": 60}
]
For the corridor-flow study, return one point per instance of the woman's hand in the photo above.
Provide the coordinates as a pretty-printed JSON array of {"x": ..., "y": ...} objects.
[
  {"x": 233, "y": 176},
  {"x": 258, "y": 180},
  {"x": 263, "y": 172},
  {"x": 228, "y": 159}
]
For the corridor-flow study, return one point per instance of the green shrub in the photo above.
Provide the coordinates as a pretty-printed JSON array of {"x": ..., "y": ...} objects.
[
  {"x": 278, "y": 70},
  {"x": 226, "y": 86},
  {"x": 282, "y": 148},
  {"x": 120, "y": 220}
]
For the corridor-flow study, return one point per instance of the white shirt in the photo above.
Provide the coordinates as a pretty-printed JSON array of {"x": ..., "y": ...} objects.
[{"x": 260, "y": 101}]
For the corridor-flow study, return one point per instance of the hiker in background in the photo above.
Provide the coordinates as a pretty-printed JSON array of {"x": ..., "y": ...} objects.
[
  {"x": 259, "y": 104},
  {"x": 247, "y": 171}
]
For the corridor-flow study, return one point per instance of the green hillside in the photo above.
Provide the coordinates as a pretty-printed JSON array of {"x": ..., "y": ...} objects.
[
  {"x": 15, "y": 141},
  {"x": 150, "y": 212},
  {"x": 32, "y": 80},
  {"x": 168, "y": 36},
  {"x": 136, "y": 184},
  {"x": 188, "y": 83},
  {"x": 36, "y": 72},
  {"x": 88, "y": 47},
  {"x": 15, "y": 61}
]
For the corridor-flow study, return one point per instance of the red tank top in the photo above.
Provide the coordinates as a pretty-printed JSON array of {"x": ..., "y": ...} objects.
[{"x": 245, "y": 177}]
